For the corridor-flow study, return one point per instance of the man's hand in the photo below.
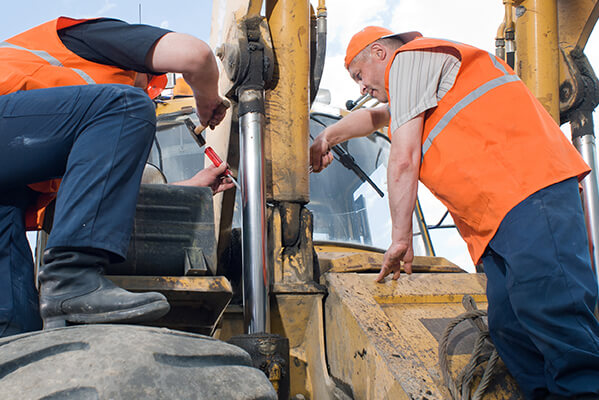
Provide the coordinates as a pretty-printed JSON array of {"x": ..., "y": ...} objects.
[
  {"x": 320, "y": 153},
  {"x": 358, "y": 123},
  {"x": 211, "y": 110},
  {"x": 212, "y": 177},
  {"x": 402, "y": 183},
  {"x": 397, "y": 252}
]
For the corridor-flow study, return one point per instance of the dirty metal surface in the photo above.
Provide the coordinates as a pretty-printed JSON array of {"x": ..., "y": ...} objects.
[
  {"x": 197, "y": 302},
  {"x": 335, "y": 259},
  {"x": 384, "y": 338}
]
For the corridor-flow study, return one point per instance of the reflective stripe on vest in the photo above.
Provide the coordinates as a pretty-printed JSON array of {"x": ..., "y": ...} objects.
[
  {"x": 37, "y": 59},
  {"x": 475, "y": 94},
  {"x": 50, "y": 60}
]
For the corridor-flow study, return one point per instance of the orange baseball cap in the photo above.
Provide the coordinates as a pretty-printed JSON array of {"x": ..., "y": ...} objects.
[{"x": 370, "y": 34}]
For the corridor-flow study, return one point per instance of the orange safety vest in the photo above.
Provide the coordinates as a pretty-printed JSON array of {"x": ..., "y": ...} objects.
[
  {"x": 488, "y": 144},
  {"x": 38, "y": 59}
]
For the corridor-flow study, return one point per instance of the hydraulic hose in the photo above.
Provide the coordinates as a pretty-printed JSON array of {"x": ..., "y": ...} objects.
[{"x": 320, "y": 50}]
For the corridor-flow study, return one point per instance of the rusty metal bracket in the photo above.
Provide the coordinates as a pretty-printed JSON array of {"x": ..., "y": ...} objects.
[
  {"x": 580, "y": 93},
  {"x": 248, "y": 58}
]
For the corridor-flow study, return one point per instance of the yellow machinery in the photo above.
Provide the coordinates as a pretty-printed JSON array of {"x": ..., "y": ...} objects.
[
  {"x": 348, "y": 337},
  {"x": 347, "y": 334}
]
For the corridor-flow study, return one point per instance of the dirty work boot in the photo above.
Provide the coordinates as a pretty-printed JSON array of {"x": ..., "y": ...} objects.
[{"x": 74, "y": 290}]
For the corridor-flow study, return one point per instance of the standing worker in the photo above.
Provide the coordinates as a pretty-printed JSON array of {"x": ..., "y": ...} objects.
[
  {"x": 69, "y": 109},
  {"x": 467, "y": 127}
]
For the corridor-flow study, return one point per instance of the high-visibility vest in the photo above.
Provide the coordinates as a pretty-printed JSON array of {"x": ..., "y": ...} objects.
[
  {"x": 488, "y": 144},
  {"x": 37, "y": 59}
]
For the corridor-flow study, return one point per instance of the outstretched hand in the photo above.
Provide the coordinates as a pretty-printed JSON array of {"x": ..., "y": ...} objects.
[
  {"x": 212, "y": 177},
  {"x": 320, "y": 154},
  {"x": 392, "y": 262}
]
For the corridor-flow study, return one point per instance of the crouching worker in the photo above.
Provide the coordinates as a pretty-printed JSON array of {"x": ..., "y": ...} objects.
[{"x": 70, "y": 110}]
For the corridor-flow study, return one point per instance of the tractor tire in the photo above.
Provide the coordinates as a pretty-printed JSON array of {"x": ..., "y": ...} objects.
[{"x": 126, "y": 362}]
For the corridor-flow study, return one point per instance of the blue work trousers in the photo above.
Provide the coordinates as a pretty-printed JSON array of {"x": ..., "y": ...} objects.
[
  {"x": 96, "y": 138},
  {"x": 542, "y": 293}
]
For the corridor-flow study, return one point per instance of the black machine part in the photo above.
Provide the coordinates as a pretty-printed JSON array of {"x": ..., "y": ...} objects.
[
  {"x": 270, "y": 354},
  {"x": 173, "y": 233}
]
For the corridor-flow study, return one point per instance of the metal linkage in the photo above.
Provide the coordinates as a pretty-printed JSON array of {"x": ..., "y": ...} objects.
[{"x": 583, "y": 138}]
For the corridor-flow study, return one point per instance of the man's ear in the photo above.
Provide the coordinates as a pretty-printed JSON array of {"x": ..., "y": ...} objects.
[{"x": 378, "y": 51}]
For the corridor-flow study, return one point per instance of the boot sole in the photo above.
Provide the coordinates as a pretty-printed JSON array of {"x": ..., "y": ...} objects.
[{"x": 146, "y": 313}]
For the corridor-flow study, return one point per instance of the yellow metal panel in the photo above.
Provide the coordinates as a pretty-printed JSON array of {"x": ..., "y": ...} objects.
[
  {"x": 286, "y": 144},
  {"x": 197, "y": 302},
  {"x": 300, "y": 318},
  {"x": 174, "y": 283},
  {"x": 576, "y": 21},
  {"x": 433, "y": 288},
  {"x": 175, "y": 105},
  {"x": 382, "y": 339},
  {"x": 228, "y": 12},
  {"x": 348, "y": 260},
  {"x": 537, "y": 57},
  {"x": 366, "y": 349},
  {"x": 226, "y": 15},
  {"x": 290, "y": 317}
]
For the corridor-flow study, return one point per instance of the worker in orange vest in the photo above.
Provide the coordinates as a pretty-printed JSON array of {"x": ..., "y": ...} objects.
[
  {"x": 464, "y": 124},
  {"x": 71, "y": 108}
]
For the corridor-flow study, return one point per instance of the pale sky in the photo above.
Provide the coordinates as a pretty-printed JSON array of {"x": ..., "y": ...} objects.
[{"x": 470, "y": 21}]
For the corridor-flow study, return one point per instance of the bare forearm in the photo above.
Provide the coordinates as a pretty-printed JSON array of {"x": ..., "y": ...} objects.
[
  {"x": 402, "y": 177},
  {"x": 402, "y": 181},
  {"x": 357, "y": 124},
  {"x": 190, "y": 56},
  {"x": 205, "y": 83}
]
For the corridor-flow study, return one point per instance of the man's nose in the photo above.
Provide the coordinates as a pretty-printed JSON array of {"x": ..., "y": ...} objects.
[{"x": 362, "y": 88}]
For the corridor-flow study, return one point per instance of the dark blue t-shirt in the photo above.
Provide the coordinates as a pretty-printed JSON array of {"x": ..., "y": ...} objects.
[{"x": 113, "y": 42}]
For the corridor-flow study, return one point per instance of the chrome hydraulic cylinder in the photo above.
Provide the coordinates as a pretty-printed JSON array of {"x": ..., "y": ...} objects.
[
  {"x": 587, "y": 148},
  {"x": 583, "y": 137},
  {"x": 254, "y": 240}
]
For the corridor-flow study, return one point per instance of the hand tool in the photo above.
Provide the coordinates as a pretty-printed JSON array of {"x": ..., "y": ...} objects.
[
  {"x": 216, "y": 160},
  {"x": 196, "y": 133}
]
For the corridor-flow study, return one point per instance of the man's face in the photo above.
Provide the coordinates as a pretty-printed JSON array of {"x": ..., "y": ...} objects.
[{"x": 368, "y": 71}]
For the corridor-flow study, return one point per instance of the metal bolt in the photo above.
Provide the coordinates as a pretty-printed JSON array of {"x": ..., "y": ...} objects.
[
  {"x": 565, "y": 91},
  {"x": 220, "y": 52}
]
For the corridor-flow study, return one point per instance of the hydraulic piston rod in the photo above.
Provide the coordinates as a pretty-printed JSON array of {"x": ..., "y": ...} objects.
[
  {"x": 255, "y": 268},
  {"x": 584, "y": 141}
]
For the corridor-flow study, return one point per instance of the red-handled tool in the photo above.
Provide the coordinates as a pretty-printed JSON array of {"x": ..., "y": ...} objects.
[
  {"x": 196, "y": 133},
  {"x": 216, "y": 160}
]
